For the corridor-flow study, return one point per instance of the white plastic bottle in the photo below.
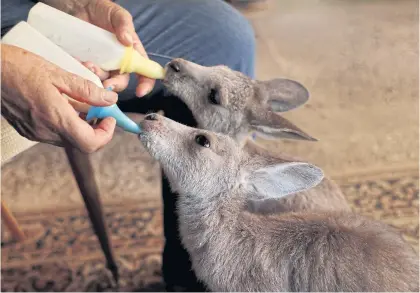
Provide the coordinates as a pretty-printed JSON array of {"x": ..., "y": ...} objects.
[
  {"x": 26, "y": 37},
  {"x": 88, "y": 42}
]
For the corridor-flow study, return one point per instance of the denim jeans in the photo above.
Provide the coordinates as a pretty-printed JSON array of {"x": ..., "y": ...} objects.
[{"x": 208, "y": 32}]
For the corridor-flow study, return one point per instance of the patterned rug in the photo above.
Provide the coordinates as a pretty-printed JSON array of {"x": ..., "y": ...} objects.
[
  {"x": 363, "y": 108},
  {"x": 62, "y": 254}
]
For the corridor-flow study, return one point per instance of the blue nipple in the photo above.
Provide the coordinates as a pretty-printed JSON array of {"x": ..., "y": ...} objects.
[{"x": 113, "y": 111}]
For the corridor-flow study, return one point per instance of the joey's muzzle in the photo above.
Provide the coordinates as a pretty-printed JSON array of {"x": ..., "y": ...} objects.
[{"x": 151, "y": 117}]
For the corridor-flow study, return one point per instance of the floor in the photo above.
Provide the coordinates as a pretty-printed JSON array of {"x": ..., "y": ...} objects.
[{"x": 359, "y": 60}]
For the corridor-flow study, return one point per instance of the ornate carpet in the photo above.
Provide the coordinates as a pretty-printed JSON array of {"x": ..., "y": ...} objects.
[{"x": 62, "y": 254}]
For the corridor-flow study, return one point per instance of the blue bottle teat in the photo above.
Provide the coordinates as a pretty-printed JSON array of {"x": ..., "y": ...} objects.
[{"x": 113, "y": 111}]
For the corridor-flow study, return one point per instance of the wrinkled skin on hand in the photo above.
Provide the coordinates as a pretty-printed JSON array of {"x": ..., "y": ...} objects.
[
  {"x": 114, "y": 18},
  {"x": 32, "y": 102}
]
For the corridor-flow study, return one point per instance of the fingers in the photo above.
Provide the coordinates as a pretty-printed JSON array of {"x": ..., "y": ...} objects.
[
  {"x": 145, "y": 86},
  {"x": 110, "y": 79},
  {"x": 83, "y": 90},
  {"x": 138, "y": 46},
  {"x": 87, "y": 138},
  {"x": 123, "y": 27},
  {"x": 122, "y": 22},
  {"x": 78, "y": 132},
  {"x": 102, "y": 74},
  {"x": 118, "y": 82}
]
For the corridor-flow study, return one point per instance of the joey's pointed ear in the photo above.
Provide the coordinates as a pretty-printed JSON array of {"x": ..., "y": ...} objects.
[
  {"x": 284, "y": 94},
  {"x": 272, "y": 125},
  {"x": 279, "y": 180}
]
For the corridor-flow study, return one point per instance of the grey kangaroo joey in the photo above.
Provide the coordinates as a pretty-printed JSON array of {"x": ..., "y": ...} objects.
[
  {"x": 228, "y": 102},
  {"x": 235, "y": 249}
]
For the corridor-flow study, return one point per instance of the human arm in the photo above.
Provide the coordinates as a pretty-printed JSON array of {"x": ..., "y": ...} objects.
[{"x": 32, "y": 101}]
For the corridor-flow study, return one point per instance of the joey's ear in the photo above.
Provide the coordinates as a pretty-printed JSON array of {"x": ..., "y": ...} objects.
[
  {"x": 272, "y": 125},
  {"x": 284, "y": 94},
  {"x": 279, "y": 180}
]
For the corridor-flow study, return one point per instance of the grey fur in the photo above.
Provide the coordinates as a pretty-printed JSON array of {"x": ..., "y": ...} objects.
[
  {"x": 285, "y": 94},
  {"x": 234, "y": 249},
  {"x": 247, "y": 105}
]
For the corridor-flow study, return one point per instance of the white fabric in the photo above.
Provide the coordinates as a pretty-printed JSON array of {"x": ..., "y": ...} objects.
[{"x": 12, "y": 143}]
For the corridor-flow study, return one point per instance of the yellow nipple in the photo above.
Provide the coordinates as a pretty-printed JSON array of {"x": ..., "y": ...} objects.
[{"x": 133, "y": 61}]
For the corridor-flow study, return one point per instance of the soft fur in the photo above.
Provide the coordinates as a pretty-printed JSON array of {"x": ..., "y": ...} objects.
[
  {"x": 235, "y": 249},
  {"x": 246, "y": 105}
]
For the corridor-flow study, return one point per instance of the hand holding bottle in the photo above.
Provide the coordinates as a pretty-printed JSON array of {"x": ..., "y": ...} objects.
[
  {"x": 32, "y": 101},
  {"x": 114, "y": 18}
]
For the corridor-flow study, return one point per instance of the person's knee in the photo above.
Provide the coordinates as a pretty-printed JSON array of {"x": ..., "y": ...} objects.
[{"x": 234, "y": 36}]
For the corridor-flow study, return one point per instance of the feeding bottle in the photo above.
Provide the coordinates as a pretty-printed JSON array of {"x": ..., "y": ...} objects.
[
  {"x": 88, "y": 42},
  {"x": 26, "y": 37}
]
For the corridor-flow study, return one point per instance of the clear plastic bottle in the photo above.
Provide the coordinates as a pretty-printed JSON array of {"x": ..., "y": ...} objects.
[{"x": 88, "y": 42}]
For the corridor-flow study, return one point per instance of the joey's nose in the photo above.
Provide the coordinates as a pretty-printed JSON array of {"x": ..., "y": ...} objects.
[
  {"x": 175, "y": 66},
  {"x": 152, "y": 116}
]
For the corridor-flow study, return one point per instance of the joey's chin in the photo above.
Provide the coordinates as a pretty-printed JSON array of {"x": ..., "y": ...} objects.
[
  {"x": 145, "y": 139},
  {"x": 146, "y": 134},
  {"x": 149, "y": 142},
  {"x": 168, "y": 78},
  {"x": 168, "y": 82},
  {"x": 172, "y": 82}
]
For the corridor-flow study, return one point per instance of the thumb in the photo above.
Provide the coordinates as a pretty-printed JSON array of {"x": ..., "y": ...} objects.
[
  {"x": 87, "y": 138},
  {"x": 85, "y": 91}
]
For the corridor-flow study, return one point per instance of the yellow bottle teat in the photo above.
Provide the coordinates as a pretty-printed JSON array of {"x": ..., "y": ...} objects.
[{"x": 133, "y": 61}]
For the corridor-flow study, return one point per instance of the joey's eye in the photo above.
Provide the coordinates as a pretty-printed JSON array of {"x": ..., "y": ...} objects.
[
  {"x": 202, "y": 140},
  {"x": 214, "y": 97}
]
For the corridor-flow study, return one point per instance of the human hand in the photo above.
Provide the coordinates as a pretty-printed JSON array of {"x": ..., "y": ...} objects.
[
  {"x": 114, "y": 18},
  {"x": 32, "y": 101}
]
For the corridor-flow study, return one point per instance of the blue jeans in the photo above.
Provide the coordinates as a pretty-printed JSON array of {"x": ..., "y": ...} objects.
[{"x": 208, "y": 32}]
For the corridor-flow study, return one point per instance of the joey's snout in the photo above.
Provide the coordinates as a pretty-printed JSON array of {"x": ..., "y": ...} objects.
[
  {"x": 157, "y": 124},
  {"x": 188, "y": 81},
  {"x": 151, "y": 117},
  {"x": 173, "y": 79},
  {"x": 163, "y": 138},
  {"x": 180, "y": 70},
  {"x": 175, "y": 66},
  {"x": 151, "y": 122}
]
